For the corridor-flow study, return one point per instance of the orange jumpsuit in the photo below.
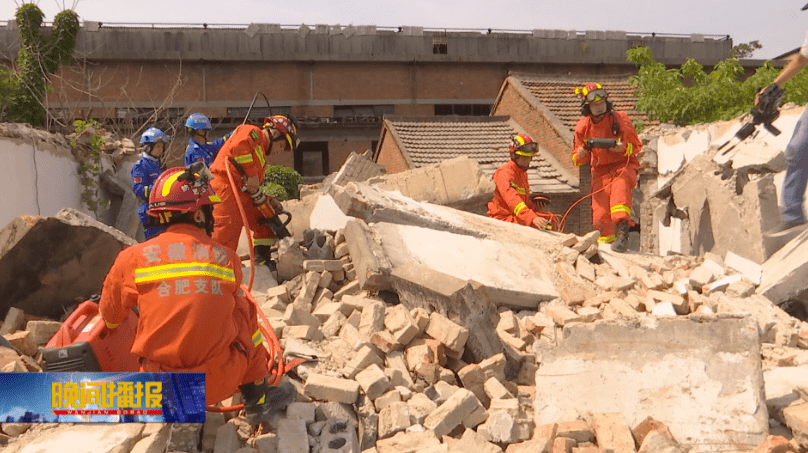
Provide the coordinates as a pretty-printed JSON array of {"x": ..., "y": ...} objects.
[
  {"x": 247, "y": 145},
  {"x": 192, "y": 315},
  {"x": 512, "y": 202},
  {"x": 614, "y": 174}
]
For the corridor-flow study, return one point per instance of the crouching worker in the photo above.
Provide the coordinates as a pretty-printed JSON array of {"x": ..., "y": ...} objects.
[
  {"x": 193, "y": 317},
  {"x": 512, "y": 202}
]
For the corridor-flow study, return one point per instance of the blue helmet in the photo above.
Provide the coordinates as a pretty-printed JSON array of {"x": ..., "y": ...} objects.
[
  {"x": 197, "y": 121},
  {"x": 152, "y": 136}
]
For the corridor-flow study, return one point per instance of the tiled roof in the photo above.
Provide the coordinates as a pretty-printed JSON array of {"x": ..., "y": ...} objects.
[
  {"x": 429, "y": 140},
  {"x": 557, "y": 93}
]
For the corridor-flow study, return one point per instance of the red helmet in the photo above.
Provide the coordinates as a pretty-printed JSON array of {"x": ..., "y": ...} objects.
[
  {"x": 181, "y": 189},
  {"x": 523, "y": 145},
  {"x": 287, "y": 127},
  {"x": 591, "y": 92}
]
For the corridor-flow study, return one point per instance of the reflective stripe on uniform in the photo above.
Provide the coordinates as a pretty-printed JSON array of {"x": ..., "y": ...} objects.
[
  {"x": 606, "y": 239},
  {"x": 270, "y": 241},
  {"x": 260, "y": 153},
  {"x": 575, "y": 160},
  {"x": 629, "y": 149},
  {"x": 244, "y": 159},
  {"x": 521, "y": 190},
  {"x": 519, "y": 208},
  {"x": 167, "y": 271},
  {"x": 257, "y": 338},
  {"x": 620, "y": 208}
]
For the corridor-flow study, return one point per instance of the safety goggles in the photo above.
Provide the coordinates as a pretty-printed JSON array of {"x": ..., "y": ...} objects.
[
  {"x": 527, "y": 150},
  {"x": 595, "y": 95}
]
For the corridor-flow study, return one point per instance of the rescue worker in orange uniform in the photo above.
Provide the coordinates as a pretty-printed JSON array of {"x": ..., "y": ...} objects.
[
  {"x": 614, "y": 170},
  {"x": 248, "y": 146},
  {"x": 512, "y": 202},
  {"x": 192, "y": 314}
]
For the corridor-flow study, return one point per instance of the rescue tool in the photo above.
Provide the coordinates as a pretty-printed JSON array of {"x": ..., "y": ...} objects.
[
  {"x": 765, "y": 112},
  {"x": 262, "y": 202}
]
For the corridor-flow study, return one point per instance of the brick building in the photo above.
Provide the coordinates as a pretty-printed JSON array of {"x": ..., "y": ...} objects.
[{"x": 339, "y": 81}]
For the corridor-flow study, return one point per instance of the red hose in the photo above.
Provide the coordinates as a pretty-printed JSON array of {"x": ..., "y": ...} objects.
[
  {"x": 564, "y": 217},
  {"x": 273, "y": 345}
]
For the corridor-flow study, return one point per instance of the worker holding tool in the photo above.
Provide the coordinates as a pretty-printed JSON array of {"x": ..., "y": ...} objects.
[
  {"x": 144, "y": 173},
  {"x": 793, "y": 192},
  {"x": 512, "y": 202},
  {"x": 199, "y": 149},
  {"x": 243, "y": 158},
  {"x": 193, "y": 316},
  {"x": 606, "y": 139}
]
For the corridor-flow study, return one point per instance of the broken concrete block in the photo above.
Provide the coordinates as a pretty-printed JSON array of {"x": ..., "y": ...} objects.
[
  {"x": 292, "y": 435},
  {"x": 495, "y": 390},
  {"x": 420, "y": 406},
  {"x": 450, "y": 334},
  {"x": 394, "y": 418},
  {"x": 41, "y": 331},
  {"x": 748, "y": 268},
  {"x": 494, "y": 366},
  {"x": 47, "y": 263},
  {"x": 561, "y": 315},
  {"x": 296, "y": 317},
  {"x": 612, "y": 432},
  {"x": 409, "y": 442},
  {"x": 451, "y": 413},
  {"x": 339, "y": 436},
  {"x": 15, "y": 320},
  {"x": 711, "y": 354},
  {"x": 372, "y": 319},
  {"x": 473, "y": 442},
  {"x": 373, "y": 381},
  {"x": 577, "y": 430},
  {"x": 290, "y": 259},
  {"x": 327, "y": 388},
  {"x": 701, "y": 276},
  {"x": 368, "y": 258},
  {"x": 659, "y": 442},
  {"x": 796, "y": 418},
  {"x": 397, "y": 370},
  {"x": 310, "y": 333}
]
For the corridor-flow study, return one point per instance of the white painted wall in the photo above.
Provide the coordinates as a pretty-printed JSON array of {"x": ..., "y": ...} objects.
[{"x": 37, "y": 179}]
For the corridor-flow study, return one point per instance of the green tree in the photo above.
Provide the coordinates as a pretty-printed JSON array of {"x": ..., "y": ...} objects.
[
  {"x": 689, "y": 95},
  {"x": 22, "y": 93},
  {"x": 282, "y": 182},
  {"x": 745, "y": 50}
]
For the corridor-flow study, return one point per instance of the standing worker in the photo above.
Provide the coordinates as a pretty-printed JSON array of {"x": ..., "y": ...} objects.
[
  {"x": 512, "y": 202},
  {"x": 199, "y": 149},
  {"x": 243, "y": 156},
  {"x": 144, "y": 173},
  {"x": 793, "y": 192},
  {"x": 192, "y": 315},
  {"x": 614, "y": 169}
]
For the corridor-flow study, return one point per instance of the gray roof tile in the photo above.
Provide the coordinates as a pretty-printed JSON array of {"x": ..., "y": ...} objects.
[{"x": 431, "y": 140}]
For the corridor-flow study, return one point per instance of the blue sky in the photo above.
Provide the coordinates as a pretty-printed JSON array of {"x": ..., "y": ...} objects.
[{"x": 778, "y": 24}]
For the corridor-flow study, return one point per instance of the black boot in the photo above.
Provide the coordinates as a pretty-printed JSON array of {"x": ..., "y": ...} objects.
[
  {"x": 261, "y": 400},
  {"x": 620, "y": 243}
]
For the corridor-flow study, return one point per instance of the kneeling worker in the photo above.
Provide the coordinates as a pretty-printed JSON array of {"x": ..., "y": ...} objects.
[
  {"x": 193, "y": 316},
  {"x": 512, "y": 202}
]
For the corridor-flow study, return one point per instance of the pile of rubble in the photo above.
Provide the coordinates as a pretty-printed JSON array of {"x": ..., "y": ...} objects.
[{"x": 428, "y": 329}]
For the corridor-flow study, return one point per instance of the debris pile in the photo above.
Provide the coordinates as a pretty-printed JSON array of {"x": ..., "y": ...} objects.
[{"x": 429, "y": 329}]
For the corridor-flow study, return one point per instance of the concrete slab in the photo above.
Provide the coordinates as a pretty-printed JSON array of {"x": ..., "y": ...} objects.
[
  {"x": 513, "y": 276},
  {"x": 724, "y": 215},
  {"x": 784, "y": 273},
  {"x": 374, "y": 205},
  {"x": 47, "y": 263},
  {"x": 701, "y": 376}
]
